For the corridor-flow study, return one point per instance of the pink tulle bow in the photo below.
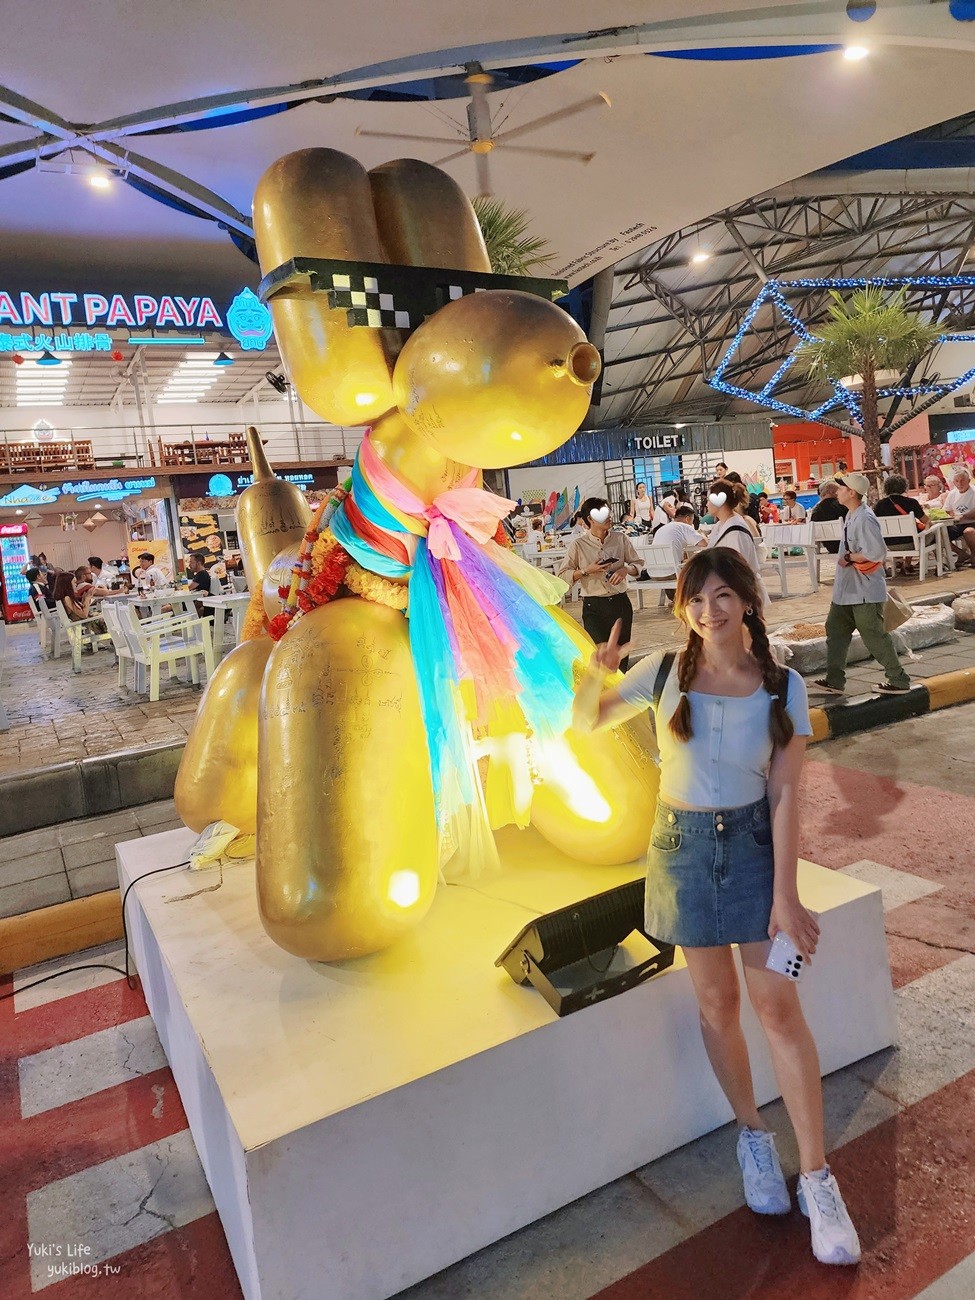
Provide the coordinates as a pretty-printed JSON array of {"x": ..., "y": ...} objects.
[{"x": 474, "y": 510}]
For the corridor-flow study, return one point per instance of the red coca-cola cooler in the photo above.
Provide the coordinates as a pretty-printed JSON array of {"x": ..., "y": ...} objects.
[{"x": 14, "y": 587}]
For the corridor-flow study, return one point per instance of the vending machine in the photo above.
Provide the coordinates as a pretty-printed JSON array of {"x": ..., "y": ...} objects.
[{"x": 14, "y": 587}]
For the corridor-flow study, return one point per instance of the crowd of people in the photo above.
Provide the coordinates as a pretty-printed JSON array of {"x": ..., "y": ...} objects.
[{"x": 78, "y": 590}]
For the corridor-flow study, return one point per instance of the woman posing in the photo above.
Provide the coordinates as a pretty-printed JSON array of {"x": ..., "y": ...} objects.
[{"x": 732, "y": 727}]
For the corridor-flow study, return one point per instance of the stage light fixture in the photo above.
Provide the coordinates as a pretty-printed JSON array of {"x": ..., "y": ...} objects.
[{"x": 48, "y": 359}]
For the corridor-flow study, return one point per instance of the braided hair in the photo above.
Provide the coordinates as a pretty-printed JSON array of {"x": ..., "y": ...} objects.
[{"x": 736, "y": 573}]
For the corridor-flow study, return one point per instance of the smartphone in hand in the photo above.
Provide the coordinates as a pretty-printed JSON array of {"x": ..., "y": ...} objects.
[{"x": 785, "y": 958}]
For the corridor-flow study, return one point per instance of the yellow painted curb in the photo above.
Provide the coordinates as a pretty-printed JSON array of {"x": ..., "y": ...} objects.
[
  {"x": 820, "y": 725},
  {"x": 56, "y": 931},
  {"x": 951, "y": 688}
]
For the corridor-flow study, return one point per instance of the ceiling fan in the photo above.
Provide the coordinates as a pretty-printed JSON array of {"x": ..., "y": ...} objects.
[{"x": 482, "y": 139}]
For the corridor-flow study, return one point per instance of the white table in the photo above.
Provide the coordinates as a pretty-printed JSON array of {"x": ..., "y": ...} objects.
[
  {"x": 237, "y": 602},
  {"x": 181, "y": 601}
]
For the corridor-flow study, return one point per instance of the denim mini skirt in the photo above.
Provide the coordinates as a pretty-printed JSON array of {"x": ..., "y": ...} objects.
[{"x": 710, "y": 876}]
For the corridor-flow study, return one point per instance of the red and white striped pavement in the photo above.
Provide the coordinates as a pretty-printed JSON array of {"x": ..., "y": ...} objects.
[{"x": 102, "y": 1193}]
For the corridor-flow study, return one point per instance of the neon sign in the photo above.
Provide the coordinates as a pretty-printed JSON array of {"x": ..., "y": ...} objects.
[
  {"x": 113, "y": 489},
  {"x": 137, "y": 311},
  {"x": 56, "y": 342},
  {"x": 249, "y": 321},
  {"x": 246, "y": 318}
]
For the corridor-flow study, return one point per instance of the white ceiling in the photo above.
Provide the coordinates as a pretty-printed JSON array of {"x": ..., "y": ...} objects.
[{"x": 683, "y": 138}]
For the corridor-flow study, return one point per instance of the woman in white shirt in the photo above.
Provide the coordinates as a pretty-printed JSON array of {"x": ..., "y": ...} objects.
[
  {"x": 725, "y": 500},
  {"x": 641, "y": 507},
  {"x": 732, "y": 727}
]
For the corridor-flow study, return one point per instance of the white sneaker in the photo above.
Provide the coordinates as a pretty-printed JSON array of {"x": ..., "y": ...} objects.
[
  {"x": 834, "y": 1238},
  {"x": 765, "y": 1188}
]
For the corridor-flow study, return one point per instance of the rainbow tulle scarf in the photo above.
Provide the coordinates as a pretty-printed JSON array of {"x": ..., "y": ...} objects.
[{"x": 482, "y": 636}]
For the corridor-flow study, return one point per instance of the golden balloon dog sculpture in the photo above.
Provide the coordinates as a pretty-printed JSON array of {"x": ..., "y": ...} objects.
[{"x": 405, "y": 681}]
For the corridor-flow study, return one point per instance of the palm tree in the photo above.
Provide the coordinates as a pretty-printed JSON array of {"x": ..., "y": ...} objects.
[
  {"x": 869, "y": 334},
  {"x": 511, "y": 250}
]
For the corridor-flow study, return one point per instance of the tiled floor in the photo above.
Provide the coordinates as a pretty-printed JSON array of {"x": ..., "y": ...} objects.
[
  {"x": 56, "y": 714},
  {"x": 72, "y": 860}
]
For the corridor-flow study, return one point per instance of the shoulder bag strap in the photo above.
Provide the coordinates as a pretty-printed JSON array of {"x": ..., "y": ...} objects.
[
  {"x": 663, "y": 672},
  {"x": 737, "y": 528}
]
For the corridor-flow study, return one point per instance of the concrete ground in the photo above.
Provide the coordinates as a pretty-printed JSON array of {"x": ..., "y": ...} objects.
[
  {"x": 56, "y": 714},
  {"x": 74, "y": 859},
  {"x": 97, "y": 1156}
]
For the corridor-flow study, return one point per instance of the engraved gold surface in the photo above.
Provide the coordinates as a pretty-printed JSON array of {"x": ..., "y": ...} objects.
[
  {"x": 217, "y": 777},
  {"x": 271, "y": 515},
  {"x": 413, "y": 461},
  {"x": 496, "y": 378},
  {"x": 318, "y": 203},
  {"x": 347, "y": 856},
  {"x": 425, "y": 218}
]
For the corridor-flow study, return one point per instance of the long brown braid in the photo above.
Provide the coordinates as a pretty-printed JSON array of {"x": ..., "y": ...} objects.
[{"x": 729, "y": 566}]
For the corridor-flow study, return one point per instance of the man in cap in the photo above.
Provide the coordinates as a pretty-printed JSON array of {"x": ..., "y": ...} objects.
[{"x": 859, "y": 594}]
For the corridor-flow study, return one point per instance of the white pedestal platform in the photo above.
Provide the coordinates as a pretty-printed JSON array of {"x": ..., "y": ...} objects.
[{"x": 364, "y": 1125}]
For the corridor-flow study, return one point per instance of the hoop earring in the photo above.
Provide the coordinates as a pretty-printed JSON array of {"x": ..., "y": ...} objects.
[{"x": 749, "y": 612}]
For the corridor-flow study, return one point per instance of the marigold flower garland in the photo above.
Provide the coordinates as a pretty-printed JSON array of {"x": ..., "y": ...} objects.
[{"x": 311, "y": 587}]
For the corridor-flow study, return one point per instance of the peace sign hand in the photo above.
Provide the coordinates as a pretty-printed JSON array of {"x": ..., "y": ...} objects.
[{"x": 610, "y": 654}]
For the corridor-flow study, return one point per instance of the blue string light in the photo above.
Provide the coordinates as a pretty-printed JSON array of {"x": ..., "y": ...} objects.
[{"x": 773, "y": 293}]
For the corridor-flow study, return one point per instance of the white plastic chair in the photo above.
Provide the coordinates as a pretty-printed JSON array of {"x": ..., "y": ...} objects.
[
  {"x": 785, "y": 536},
  {"x": 901, "y": 530},
  {"x": 163, "y": 642},
  {"x": 828, "y": 530},
  {"x": 661, "y": 572},
  {"x": 123, "y": 650},
  {"x": 47, "y": 631},
  {"x": 80, "y": 632}
]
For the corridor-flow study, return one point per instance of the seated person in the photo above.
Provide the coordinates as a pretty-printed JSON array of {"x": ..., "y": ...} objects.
[
  {"x": 933, "y": 492},
  {"x": 680, "y": 535},
  {"x": 39, "y": 589},
  {"x": 198, "y": 578},
  {"x": 76, "y": 605},
  {"x": 960, "y": 505},
  {"x": 768, "y": 512},
  {"x": 147, "y": 573},
  {"x": 103, "y": 575},
  {"x": 83, "y": 583},
  {"x": 827, "y": 509},
  {"x": 894, "y": 502},
  {"x": 791, "y": 511}
]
